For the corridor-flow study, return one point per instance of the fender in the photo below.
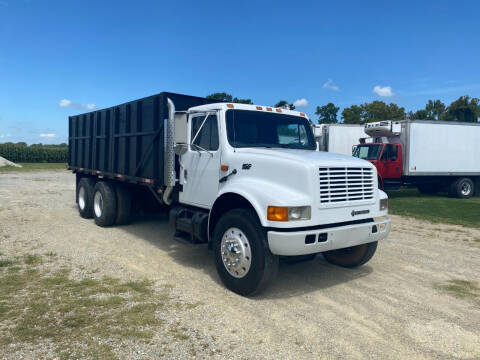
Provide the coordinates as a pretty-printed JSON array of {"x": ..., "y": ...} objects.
[{"x": 260, "y": 194}]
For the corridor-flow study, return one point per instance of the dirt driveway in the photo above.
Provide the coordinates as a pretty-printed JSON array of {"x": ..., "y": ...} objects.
[{"x": 417, "y": 298}]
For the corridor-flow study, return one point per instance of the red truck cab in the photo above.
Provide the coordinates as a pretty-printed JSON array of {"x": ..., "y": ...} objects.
[{"x": 387, "y": 158}]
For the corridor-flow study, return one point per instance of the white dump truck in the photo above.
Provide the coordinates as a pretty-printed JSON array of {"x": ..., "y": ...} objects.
[
  {"x": 246, "y": 179},
  {"x": 338, "y": 138}
]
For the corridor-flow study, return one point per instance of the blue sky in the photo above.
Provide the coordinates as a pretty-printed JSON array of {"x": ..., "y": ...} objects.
[{"x": 101, "y": 53}]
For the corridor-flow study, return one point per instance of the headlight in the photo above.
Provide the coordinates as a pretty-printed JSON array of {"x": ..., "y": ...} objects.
[
  {"x": 293, "y": 213},
  {"x": 383, "y": 204}
]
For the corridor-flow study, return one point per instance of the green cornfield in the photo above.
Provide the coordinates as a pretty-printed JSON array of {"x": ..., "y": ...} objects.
[{"x": 34, "y": 153}]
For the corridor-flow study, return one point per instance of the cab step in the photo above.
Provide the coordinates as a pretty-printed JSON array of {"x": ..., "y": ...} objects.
[{"x": 191, "y": 225}]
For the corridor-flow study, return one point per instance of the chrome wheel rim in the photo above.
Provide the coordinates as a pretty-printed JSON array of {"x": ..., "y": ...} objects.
[
  {"x": 236, "y": 252},
  {"x": 81, "y": 198},
  {"x": 466, "y": 189},
  {"x": 98, "y": 204}
]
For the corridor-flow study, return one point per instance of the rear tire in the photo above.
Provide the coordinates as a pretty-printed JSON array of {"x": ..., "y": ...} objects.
[
  {"x": 104, "y": 204},
  {"x": 239, "y": 235},
  {"x": 462, "y": 188},
  {"x": 124, "y": 204},
  {"x": 352, "y": 256},
  {"x": 85, "y": 197}
]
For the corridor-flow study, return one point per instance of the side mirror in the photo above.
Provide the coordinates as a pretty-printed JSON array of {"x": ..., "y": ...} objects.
[{"x": 180, "y": 148}]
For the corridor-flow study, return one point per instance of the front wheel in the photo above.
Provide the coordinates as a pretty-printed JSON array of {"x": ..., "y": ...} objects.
[
  {"x": 242, "y": 258},
  {"x": 352, "y": 256}
]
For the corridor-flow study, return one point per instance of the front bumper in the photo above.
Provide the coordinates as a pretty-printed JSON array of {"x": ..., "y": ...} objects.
[{"x": 294, "y": 242}]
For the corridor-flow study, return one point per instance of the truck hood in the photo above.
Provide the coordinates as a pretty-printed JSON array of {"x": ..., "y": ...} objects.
[{"x": 309, "y": 157}]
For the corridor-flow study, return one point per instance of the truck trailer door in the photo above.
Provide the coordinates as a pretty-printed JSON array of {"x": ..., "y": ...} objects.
[{"x": 200, "y": 165}]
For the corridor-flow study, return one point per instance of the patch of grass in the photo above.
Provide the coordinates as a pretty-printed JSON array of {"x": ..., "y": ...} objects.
[
  {"x": 34, "y": 167},
  {"x": 6, "y": 262},
  {"x": 32, "y": 259},
  {"x": 80, "y": 317},
  {"x": 462, "y": 289},
  {"x": 435, "y": 208}
]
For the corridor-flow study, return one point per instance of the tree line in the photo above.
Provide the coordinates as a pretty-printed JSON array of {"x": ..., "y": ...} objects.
[{"x": 464, "y": 109}]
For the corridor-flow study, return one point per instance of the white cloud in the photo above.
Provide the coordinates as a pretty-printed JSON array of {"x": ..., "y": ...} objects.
[
  {"x": 48, "y": 136},
  {"x": 300, "y": 102},
  {"x": 330, "y": 85},
  {"x": 385, "y": 91},
  {"x": 65, "y": 103}
]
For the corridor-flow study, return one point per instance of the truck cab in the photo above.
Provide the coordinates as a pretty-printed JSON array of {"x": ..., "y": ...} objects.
[{"x": 387, "y": 158}]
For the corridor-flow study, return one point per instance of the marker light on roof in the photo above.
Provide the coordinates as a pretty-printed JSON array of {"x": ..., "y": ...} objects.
[
  {"x": 259, "y": 108},
  {"x": 302, "y": 114},
  {"x": 230, "y": 106},
  {"x": 268, "y": 109},
  {"x": 278, "y": 110}
]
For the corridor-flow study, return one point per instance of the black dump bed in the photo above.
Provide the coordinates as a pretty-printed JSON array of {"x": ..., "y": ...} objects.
[{"x": 125, "y": 141}]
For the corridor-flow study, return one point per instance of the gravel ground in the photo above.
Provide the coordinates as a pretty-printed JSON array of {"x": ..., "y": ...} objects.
[{"x": 394, "y": 307}]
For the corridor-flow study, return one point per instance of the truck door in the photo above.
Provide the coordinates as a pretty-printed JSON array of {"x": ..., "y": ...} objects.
[
  {"x": 200, "y": 165},
  {"x": 392, "y": 161}
]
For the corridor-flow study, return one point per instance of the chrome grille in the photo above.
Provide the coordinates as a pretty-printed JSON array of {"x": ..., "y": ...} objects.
[{"x": 348, "y": 184}]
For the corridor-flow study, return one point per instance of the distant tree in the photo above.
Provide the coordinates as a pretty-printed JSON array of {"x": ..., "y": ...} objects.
[
  {"x": 327, "y": 114},
  {"x": 21, "y": 143},
  {"x": 418, "y": 115},
  {"x": 435, "y": 109},
  {"x": 224, "y": 97},
  {"x": 220, "y": 96},
  {"x": 464, "y": 109},
  {"x": 379, "y": 110},
  {"x": 352, "y": 115},
  {"x": 370, "y": 112},
  {"x": 242, "y": 101},
  {"x": 284, "y": 105}
]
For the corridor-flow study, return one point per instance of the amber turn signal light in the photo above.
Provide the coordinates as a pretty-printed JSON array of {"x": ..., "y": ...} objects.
[{"x": 277, "y": 213}]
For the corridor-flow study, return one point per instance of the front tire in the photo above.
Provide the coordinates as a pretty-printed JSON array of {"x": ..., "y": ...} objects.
[
  {"x": 104, "y": 204},
  {"x": 352, "y": 256},
  {"x": 242, "y": 258}
]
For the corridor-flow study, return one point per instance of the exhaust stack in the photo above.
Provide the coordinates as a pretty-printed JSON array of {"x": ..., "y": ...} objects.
[{"x": 169, "y": 155}]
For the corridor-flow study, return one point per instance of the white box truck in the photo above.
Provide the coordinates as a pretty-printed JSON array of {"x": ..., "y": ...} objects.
[
  {"x": 432, "y": 155},
  {"x": 244, "y": 179},
  {"x": 338, "y": 138}
]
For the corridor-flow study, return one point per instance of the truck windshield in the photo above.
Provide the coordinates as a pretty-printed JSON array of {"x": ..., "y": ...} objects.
[
  {"x": 368, "y": 152},
  {"x": 247, "y": 128}
]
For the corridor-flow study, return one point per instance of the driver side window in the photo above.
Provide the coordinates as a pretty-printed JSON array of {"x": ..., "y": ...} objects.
[
  {"x": 207, "y": 138},
  {"x": 390, "y": 152}
]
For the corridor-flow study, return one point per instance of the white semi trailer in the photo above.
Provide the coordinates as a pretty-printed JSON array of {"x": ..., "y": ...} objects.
[
  {"x": 338, "y": 138},
  {"x": 245, "y": 179},
  {"x": 432, "y": 155}
]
